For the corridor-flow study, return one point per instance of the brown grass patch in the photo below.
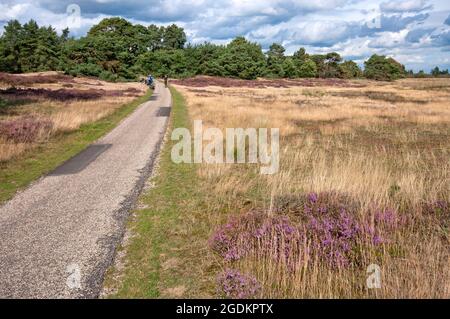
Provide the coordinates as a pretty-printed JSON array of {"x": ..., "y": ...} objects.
[{"x": 383, "y": 145}]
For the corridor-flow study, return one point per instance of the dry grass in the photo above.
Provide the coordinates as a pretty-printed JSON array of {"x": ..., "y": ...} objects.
[
  {"x": 98, "y": 99},
  {"x": 382, "y": 144}
]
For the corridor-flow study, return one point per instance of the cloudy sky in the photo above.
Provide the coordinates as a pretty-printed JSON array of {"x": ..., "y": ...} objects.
[{"x": 416, "y": 32}]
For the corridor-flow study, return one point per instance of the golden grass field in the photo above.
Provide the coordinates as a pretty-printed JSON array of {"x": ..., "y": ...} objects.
[
  {"x": 64, "y": 112},
  {"x": 383, "y": 144}
]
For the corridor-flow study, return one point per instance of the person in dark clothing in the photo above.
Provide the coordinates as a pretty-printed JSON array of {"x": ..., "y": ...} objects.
[
  {"x": 149, "y": 80},
  {"x": 166, "y": 80}
]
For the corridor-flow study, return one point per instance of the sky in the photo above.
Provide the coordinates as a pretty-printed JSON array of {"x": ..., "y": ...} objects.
[{"x": 415, "y": 32}]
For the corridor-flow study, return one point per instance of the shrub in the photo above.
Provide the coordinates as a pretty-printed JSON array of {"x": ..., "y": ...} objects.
[
  {"x": 108, "y": 76},
  {"x": 349, "y": 69},
  {"x": 307, "y": 69},
  {"x": 233, "y": 284},
  {"x": 381, "y": 68},
  {"x": 327, "y": 227}
]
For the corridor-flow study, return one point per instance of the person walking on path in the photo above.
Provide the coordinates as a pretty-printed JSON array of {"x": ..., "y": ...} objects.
[{"x": 166, "y": 80}]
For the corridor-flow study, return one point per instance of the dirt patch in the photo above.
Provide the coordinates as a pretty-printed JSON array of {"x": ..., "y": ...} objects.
[{"x": 205, "y": 81}]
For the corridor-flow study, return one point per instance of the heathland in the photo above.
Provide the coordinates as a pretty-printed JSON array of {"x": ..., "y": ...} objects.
[
  {"x": 364, "y": 185},
  {"x": 45, "y": 118}
]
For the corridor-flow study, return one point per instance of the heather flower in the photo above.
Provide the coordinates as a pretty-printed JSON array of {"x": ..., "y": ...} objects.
[
  {"x": 225, "y": 241},
  {"x": 331, "y": 227},
  {"x": 388, "y": 218},
  {"x": 327, "y": 227},
  {"x": 312, "y": 197},
  {"x": 232, "y": 241},
  {"x": 24, "y": 130},
  {"x": 272, "y": 235},
  {"x": 235, "y": 285}
]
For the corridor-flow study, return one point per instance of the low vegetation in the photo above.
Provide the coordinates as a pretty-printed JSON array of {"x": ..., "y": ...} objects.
[
  {"x": 48, "y": 119},
  {"x": 363, "y": 180}
]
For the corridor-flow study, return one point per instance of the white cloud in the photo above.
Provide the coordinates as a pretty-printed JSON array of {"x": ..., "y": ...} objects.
[
  {"x": 405, "y": 6},
  {"x": 409, "y": 27}
]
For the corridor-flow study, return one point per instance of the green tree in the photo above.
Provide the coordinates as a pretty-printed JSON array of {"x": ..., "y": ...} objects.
[
  {"x": 300, "y": 55},
  {"x": 163, "y": 62},
  {"x": 10, "y": 47},
  {"x": 435, "y": 71},
  {"x": 289, "y": 68},
  {"x": 349, "y": 69},
  {"x": 379, "y": 67},
  {"x": 204, "y": 59},
  {"x": 154, "y": 37},
  {"x": 275, "y": 59},
  {"x": 243, "y": 59},
  {"x": 319, "y": 60},
  {"x": 304, "y": 63},
  {"x": 308, "y": 69},
  {"x": 174, "y": 37}
]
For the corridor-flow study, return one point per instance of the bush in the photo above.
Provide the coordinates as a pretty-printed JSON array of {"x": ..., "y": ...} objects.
[
  {"x": 307, "y": 69},
  {"x": 108, "y": 76},
  {"x": 24, "y": 130},
  {"x": 243, "y": 59},
  {"x": 88, "y": 69},
  {"x": 349, "y": 70},
  {"x": 381, "y": 68},
  {"x": 330, "y": 223}
]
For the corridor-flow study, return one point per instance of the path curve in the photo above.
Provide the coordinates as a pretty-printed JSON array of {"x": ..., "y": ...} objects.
[{"x": 58, "y": 237}]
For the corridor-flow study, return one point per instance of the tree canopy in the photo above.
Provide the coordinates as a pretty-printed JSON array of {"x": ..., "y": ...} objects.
[
  {"x": 380, "y": 67},
  {"x": 115, "y": 49}
]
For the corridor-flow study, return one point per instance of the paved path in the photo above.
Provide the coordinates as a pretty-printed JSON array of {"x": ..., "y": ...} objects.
[{"x": 57, "y": 238}]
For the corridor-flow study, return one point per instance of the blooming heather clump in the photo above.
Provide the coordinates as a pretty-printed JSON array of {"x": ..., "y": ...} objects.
[
  {"x": 331, "y": 227},
  {"x": 232, "y": 240},
  {"x": 24, "y": 130},
  {"x": 328, "y": 227},
  {"x": 278, "y": 239},
  {"x": 239, "y": 236},
  {"x": 235, "y": 285}
]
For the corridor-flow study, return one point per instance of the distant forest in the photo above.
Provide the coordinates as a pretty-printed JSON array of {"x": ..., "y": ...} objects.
[{"x": 117, "y": 50}]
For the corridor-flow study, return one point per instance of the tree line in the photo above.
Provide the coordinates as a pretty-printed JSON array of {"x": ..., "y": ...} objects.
[{"x": 117, "y": 50}]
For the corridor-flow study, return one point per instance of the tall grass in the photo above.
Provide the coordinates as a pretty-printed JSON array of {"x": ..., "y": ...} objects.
[{"x": 378, "y": 148}]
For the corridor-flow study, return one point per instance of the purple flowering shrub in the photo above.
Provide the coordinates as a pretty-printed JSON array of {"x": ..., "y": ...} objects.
[
  {"x": 24, "y": 130},
  {"x": 328, "y": 227},
  {"x": 231, "y": 240},
  {"x": 255, "y": 231},
  {"x": 233, "y": 284},
  {"x": 337, "y": 230}
]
